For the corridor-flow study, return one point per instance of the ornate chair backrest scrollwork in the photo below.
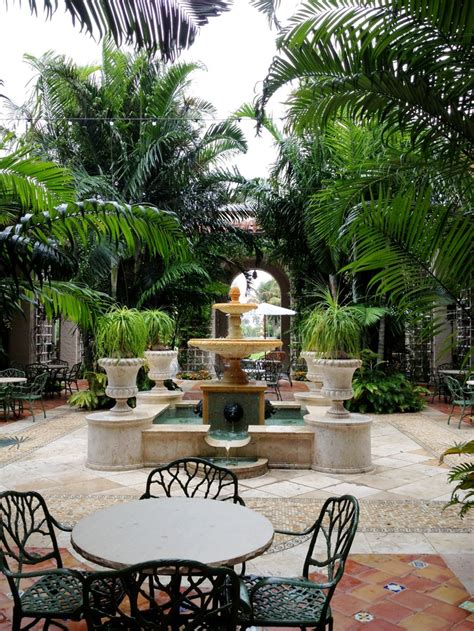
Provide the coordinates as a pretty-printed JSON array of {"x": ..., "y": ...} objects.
[{"x": 193, "y": 477}]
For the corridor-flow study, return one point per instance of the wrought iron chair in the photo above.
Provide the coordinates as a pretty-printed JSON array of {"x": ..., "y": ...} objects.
[
  {"x": 72, "y": 377},
  {"x": 35, "y": 369},
  {"x": 12, "y": 372},
  {"x": 169, "y": 594},
  {"x": 29, "y": 392},
  {"x": 26, "y": 527},
  {"x": 272, "y": 372},
  {"x": 305, "y": 602},
  {"x": 193, "y": 477},
  {"x": 460, "y": 395},
  {"x": 285, "y": 371},
  {"x": 438, "y": 383}
]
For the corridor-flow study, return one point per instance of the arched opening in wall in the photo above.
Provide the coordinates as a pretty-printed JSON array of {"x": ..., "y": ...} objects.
[{"x": 259, "y": 287}]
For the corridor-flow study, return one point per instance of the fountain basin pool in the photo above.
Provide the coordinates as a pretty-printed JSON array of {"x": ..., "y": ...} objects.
[{"x": 183, "y": 414}]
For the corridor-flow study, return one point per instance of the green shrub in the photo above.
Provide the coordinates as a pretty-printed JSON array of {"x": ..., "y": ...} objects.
[
  {"x": 377, "y": 392},
  {"x": 463, "y": 474},
  {"x": 94, "y": 398}
]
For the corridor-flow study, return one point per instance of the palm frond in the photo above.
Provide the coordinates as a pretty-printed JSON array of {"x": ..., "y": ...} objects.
[{"x": 164, "y": 25}]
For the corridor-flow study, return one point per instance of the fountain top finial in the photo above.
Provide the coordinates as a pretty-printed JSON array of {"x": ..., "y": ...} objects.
[{"x": 234, "y": 294}]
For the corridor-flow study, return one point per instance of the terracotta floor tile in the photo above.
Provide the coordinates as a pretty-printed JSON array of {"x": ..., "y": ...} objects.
[
  {"x": 379, "y": 625},
  {"x": 348, "y": 583},
  {"x": 422, "y": 622},
  {"x": 449, "y": 594},
  {"x": 354, "y": 568},
  {"x": 447, "y": 612},
  {"x": 370, "y": 593},
  {"x": 465, "y": 625},
  {"x": 419, "y": 584},
  {"x": 414, "y": 600},
  {"x": 377, "y": 576},
  {"x": 434, "y": 573},
  {"x": 390, "y": 611},
  {"x": 347, "y": 604}
]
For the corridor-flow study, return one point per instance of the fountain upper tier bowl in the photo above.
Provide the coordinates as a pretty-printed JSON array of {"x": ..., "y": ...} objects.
[{"x": 237, "y": 348}]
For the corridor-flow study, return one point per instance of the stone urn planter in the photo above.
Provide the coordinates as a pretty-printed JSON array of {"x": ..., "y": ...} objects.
[
  {"x": 337, "y": 383},
  {"x": 121, "y": 381},
  {"x": 160, "y": 364},
  {"x": 314, "y": 373}
]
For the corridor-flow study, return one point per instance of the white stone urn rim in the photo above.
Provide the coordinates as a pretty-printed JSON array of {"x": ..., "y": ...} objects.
[
  {"x": 342, "y": 363},
  {"x": 121, "y": 361}
]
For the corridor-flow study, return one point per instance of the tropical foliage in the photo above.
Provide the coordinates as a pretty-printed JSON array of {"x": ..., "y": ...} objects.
[
  {"x": 160, "y": 328},
  {"x": 166, "y": 25},
  {"x": 40, "y": 237},
  {"x": 381, "y": 392},
  {"x": 334, "y": 329},
  {"x": 404, "y": 67},
  {"x": 463, "y": 475},
  {"x": 121, "y": 333},
  {"x": 129, "y": 130}
]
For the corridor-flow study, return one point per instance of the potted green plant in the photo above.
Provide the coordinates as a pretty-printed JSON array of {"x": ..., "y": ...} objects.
[
  {"x": 332, "y": 341},
  {"x": 120, "y": 340},
  {"x": 160, "y": 327}
]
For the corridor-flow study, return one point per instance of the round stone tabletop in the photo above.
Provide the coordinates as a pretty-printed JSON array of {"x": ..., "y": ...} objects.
[{"x": 210, "y": 531}]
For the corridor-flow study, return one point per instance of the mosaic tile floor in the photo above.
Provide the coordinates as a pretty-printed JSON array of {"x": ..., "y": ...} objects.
[{"x": 379, "y": 592}]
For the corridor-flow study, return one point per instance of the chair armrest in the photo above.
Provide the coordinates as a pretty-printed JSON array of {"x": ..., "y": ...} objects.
[
  {"x": 291, "y": 582},
  {"x": 244, "y": 597},
  {"x": 60, "y": 571},
  {"x": 61, "y": 526},
  {"x": 295, "y": 534}
]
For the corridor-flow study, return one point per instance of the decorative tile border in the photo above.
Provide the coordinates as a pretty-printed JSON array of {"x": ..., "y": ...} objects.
[
  {"x": 395, "y": 588},
  {"x": 364, "y": 616}
]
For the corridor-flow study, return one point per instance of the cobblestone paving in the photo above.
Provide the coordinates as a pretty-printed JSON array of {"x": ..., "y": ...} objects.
[{"x": 299, "y": 513}]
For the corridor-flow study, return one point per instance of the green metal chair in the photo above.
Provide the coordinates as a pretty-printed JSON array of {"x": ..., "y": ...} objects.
[
  {"x": 460, "y": 395},
  {"x": 28, "y": 393},
  {"x": 163, "y": 595},
  {"x": 305, "y": 602},
  {"x": 72, "y": 377},
  {"x": 26, "y": 528},
  {"x": 193, "y": 477}
]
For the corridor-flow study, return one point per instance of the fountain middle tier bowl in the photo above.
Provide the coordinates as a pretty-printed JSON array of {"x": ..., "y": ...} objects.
[{"x": 236, "y": 348}]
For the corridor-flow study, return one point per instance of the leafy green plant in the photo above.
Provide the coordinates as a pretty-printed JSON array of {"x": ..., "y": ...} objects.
[
  {"x": 334, "y": 329},
  {"x": 94, "y": 397},
  {"x": 381, "y": 393},
  {"x": 160, "y": 328},
  {"x": 121, "y": 333},
  {"x": 463, "y": 474}
]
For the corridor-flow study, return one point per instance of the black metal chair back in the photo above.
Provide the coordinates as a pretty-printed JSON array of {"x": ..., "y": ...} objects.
[
  {"x": 33, "y": 370},
  {"x": 26, "y": 528},
  {"x": 272, "y": 370},
  {"x": 12, "y": 372},
  {"x": 193, "y": 477},
  {"x": 72, "y": 376},
  {"x": 162, "y": 595}
]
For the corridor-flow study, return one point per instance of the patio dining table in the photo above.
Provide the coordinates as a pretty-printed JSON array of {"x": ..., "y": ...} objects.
[{"x": 210, "y": 531}]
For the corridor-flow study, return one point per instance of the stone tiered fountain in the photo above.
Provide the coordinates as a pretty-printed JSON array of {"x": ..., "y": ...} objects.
[{"x": 230, "y": 405}]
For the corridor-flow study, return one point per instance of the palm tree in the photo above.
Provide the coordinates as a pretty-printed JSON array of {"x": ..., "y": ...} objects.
[
  {"x": 130, "y": 131},
  {"x": 40, "y": 238},
  {"x": 406, "y": 67},
  {"x": 164, "y": 25}
]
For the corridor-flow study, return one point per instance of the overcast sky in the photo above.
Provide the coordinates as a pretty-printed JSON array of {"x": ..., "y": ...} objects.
[{"x": 236, "y": 49}]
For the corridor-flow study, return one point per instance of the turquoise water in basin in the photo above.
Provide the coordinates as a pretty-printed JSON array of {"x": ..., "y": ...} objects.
[{"x": 186, "y": 416}]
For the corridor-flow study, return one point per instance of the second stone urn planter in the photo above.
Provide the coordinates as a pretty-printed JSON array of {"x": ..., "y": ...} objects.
[
  {"x": 160, "y": 368},
  {"x": 337, "y": 383},
  {"x": 160, "y": 364},
  {"x": 121, "y": 381}
]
